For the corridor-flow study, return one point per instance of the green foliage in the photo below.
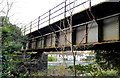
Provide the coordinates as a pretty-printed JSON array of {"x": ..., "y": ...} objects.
[
  {"x": 93, "y": 70},
  {"x": 108, "y": 59},
  {"x": 52, "y": 67},
  {"x": 51, "y": 58},
  {"x": 110, "y": 73},
  {"x": 11, "y": 40},
  {"x": 85, "y": 69},
  {"x": 59, "y": 71}
]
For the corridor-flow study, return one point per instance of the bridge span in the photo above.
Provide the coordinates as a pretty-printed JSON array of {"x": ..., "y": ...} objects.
[
  {"x": 95, "y": 28},
  {"x": 99, "y": 32}
]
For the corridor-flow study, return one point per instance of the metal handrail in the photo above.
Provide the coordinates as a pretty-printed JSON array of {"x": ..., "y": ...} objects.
[
  {"x": 38, "y": 20},
  {"x": 58, "y": 5},
  {"x": 45, "y": 17},
  {"x": 57, "y": 10}
]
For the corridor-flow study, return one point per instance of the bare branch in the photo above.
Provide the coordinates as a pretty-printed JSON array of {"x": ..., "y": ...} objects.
[
  {"x": 71, "y": 11},
  {"x": 9, "y": 6},
  {"x": 64, "y": 34},
  {"x": 2, "y": 11},
  {"x": 87, "y": 13}
]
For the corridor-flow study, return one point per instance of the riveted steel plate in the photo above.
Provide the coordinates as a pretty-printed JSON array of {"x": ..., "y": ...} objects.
[
  {"x": 80, "y": 34},
  {"x": 111, "y": 28},
  {"x": 92, "y": 32}
]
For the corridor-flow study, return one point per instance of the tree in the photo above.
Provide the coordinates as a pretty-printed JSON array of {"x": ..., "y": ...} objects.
[
  {"x": 11, "y": 43},
  {"x": 108, "y": 59}
]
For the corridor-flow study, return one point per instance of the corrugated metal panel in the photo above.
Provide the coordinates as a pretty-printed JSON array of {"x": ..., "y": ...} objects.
[
  {"x": 80, "y": 32},
  {"x": 93, "y": 32},
  {"x": 61, "y": 39},
  {"x": 111, "y": 29}
]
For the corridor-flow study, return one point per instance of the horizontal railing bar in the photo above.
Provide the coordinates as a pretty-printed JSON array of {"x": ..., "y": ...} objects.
[
  {"x": 34, "y": 23},
  {"x": 76, "y": 6},
  {"x": 28, "y": 26},
  {"x": 57, "y": 15},
  {"x": 58, "y": 5},
  {"x": 35, "y": 19},
  {"x": 44, "y": 14},
  {"x": 44, "y": 18},
  {"x": 27, "y": 30},
  {"x": 34, "y": 27},
  {"x": 44, "y": 22},
  {"x": 69, "y": 4},
  {"x": 57, "y": 10}
]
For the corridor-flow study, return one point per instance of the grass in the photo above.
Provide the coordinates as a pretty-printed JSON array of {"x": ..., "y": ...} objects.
[
  {"x": 52, "y": 67},
  {"x": 53, "y": 71}
]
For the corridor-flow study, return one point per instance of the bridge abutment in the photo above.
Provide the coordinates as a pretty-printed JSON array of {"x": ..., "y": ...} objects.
[{"x": 35, "y": 62}]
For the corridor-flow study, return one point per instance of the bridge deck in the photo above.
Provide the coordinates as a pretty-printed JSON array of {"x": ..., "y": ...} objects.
[{"x": 105, "y": 34}]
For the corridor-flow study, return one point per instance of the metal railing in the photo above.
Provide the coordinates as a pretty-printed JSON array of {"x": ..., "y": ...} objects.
[{"x": 49, "y": 17}]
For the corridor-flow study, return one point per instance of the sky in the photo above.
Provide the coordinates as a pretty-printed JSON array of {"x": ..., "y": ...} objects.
[{"x": 24, "y": 11}]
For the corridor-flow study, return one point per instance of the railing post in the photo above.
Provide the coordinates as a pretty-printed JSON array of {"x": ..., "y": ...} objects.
[
  {"x": 30, "y": 27},
  {"x": 38, "y": 21},
  {"x": 64, "y": 14},
  {"x": 65, "y": 10},
  {"x": 49, "y": 15}
]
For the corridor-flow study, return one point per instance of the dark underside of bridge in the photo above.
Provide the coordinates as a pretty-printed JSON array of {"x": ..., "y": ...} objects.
[
  {"x": 99, "y": 11},
  {"x": 96, "y": 46}
]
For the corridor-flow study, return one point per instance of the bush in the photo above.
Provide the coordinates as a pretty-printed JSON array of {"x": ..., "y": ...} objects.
[
  {"x": 51, "y": 58},
  {"x": 11, "y": 43},
  {"x": 93, "y": 70}
]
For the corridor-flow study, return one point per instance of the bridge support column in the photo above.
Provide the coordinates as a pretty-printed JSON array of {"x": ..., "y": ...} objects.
[
  {"x": 42, "y": 62},
  {"x": 38, "y": 62}
]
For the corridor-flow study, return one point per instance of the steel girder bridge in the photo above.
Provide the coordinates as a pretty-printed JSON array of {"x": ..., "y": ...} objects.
[{"x": 98, "y": 29}]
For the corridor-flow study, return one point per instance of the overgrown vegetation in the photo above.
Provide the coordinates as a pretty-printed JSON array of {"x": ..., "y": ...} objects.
[
  {"x": 108, "y": 59},
  {"x": 54, "y": 71},
  {"x": 93, "y": 70},
  {"x": 11, "y": 43},
  {"x": 106, "y": 63}
]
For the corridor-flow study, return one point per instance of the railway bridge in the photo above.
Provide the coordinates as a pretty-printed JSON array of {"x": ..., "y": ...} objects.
[
  {"x": 94, "y": 28},
  {"x": 103, "y": 33}
]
